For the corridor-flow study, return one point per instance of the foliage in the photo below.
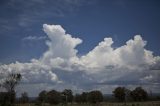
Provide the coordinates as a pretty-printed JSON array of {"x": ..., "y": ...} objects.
[
  {"x": 84, "y": 97},
  {"x": 9, "y": 84},
  {"x": 119, "y": 93},
  {"x": 42, "y": 96},
  {"x": 77, "y": 98},
  {"x": 53, "y": 97},
  {"x": 95, "y": 97},
  {"x": 4, "y": 97},
  {"x": 81, "y": 98},
  {"x": 24, "y": 97},
  {"x": 139, "y": 94},
  {"x": 67, "y": 95}
]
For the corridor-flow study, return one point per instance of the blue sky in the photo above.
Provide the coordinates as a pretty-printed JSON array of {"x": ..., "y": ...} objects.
[
  {"x": 90, "y": 20},
  {"x": 25, "y": 27}
]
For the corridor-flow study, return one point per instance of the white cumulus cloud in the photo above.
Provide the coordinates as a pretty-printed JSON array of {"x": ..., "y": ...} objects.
[{"x": 101, "y": 68}]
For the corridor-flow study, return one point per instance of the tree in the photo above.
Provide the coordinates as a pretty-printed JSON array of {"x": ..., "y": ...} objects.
[
  {"x": 77, "y": 98},
  {"x": 10, "y": 83},
  {"x": 24, "y": 97},
  {"x": 95, "y": 97},
  {"x": 84, "y": 97},
  {"x": 119, "y": 93},
  {"x": 42, "y": 96},
  {"x": 68, "y": 95},
  {"x": 4, "y": 97},
  {"x": 139, "y": 94},
  {"x": 53, "y": 97},
  {"x": 81, "y": 98}
]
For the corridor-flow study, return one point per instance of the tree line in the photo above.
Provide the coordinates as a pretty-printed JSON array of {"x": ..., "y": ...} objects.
[
  {"x": 121, "y": 94},
  {"x": 66, "y": 96}
]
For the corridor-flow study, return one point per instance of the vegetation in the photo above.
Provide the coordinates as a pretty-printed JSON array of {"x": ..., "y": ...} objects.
[
  {"x": 24, "y": 98},
  {"x": 95, "y": 97},
  {"x": 9, "y": 85},
  {"x": 139, "y": 94},
  {"x": 67, "y": 96},
  {"x": 122, "y": 94},
  {"x": 119, "y": 93},
  {"x": 102, "y": 104},
  {"x": 134, "y": 97},
  {"x": 53, "y": 97},
  {"x": 84, "y": 97},
  {"x": 42, "y": 98},
  {"x": 89, "y": 97}
]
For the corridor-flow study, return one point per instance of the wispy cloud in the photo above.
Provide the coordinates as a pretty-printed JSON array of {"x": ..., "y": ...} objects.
[
  {"x": 33, "y": 38},
  {"x": 32, "y": 12}
]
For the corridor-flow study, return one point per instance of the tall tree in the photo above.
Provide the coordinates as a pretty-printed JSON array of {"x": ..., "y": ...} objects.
[
  {"x": 77, "y": 98},
  {"x": 68, "y": 95},
  {"x": 10, "y": 83},
  {"x": 42, "y": 96},
  {"x": 119, "y": 93},
  {"x": 54, "y": 97},
  {"x": 24, "y": 97},
  {"x": 4, "y": 98},
  {"x": 84, "y": 97},
  {"x": 95, "y": 97},
  {"x": 81, "y": 98},
  {"x": 139, "y": 94}
]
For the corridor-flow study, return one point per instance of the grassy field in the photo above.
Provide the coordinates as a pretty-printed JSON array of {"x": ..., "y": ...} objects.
[{"x": 157, "y": 103}]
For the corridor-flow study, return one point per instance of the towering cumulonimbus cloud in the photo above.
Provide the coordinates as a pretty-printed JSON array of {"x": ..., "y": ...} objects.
[
  {"x": 103, "y": 66},
  {"x": 60, "y": 44}
]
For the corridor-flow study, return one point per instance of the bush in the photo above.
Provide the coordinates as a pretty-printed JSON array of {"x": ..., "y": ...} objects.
[
  {"x": 95, "y": 97},
  {"x": 53, "y": 97}
]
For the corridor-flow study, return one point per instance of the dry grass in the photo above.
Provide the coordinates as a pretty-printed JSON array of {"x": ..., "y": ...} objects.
[{"x": 157, "y": 103}]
